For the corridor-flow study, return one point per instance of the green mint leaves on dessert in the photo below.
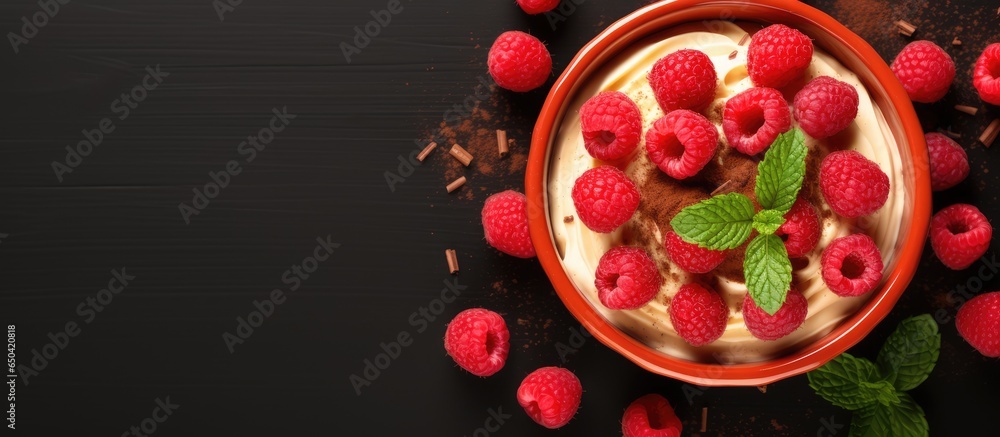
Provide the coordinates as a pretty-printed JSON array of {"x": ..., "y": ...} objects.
[
  {"x": 780, "y": 174},
  {"x": 726, "y": 221},
  {"x": 768, "y": 272},
  {"x": 910, "y": 353},
  {"x": 768, "y": 221},
  {"x": 722, "y": 222},
  {"x": 876, "y": 392}
]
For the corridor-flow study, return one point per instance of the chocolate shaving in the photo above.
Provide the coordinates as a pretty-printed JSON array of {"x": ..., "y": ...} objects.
[
  {"x": 456, "y": 184},
  {"x": 427, "y": 151},
  {"x": 704, "y": 419},
  {"x": 953, "y": 135},
  {"x": 452, "y": 258},
  {"x": 971, "y": 110},
  {"x": 733, "y": 54},
  {"x": 461, "y": 155},
  {"x": 905, "y": 28},
  {"x": 568, "y": 219},
  {"x": 743, "y": 40},
  {"x": 502, "y": 142},
  {"x": 990, "y": 134}
]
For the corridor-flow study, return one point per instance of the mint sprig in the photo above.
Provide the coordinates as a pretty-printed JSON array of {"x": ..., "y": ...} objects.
[
  {"x": 910, "y": 353},
  {"x": 722, "y": 222},
  {"x": 904, "y": 418},
  {"x": 768, "y": 272},
  {"x": 726, "y": 221},
  {"x": 780, "y": 174},
  {"x": 876, "y": 392}
]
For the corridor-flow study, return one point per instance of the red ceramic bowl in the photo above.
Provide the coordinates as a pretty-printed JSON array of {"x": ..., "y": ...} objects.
[{"x": 835, "y": 39}]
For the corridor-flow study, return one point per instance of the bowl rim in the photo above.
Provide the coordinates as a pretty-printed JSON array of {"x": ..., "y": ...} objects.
[{"x": 849, "y": 332}]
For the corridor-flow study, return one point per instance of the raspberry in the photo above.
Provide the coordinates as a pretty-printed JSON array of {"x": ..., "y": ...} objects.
[
  {"x": 986, "y": 75},
  {"x": 534, "y": 7},
  {"x": 754, "y": 118},
  {"x": 627, "y": 278},
  {"x": 651, "y": 416},
  {"x": 505, "y": 223},
  {"x": 978, "y": 322},
  {"x": 611, "y": 124},
  {"x": 682, "y": 143},
  {"x": 691, "y": 257},
  {"x": 852, "y": 185},
  {"x": 960, "y": 235},
  {"x": 477, "y": 339},
  {"x": 698, "y": 314},
  {"x": 801, "y": 227},
  {"x": 788, "y": 318},
  {"x": 685, "y": 79},
  {"x": 925, "y": 70},
  {"x": 852, "y": 265},
  {"x": 604, "y": 198},
  {"x": 949, "y": 163},
  {"x": 778, "y": 55},
  {"x": 550, "y": 396},
  {"x": 519, "y": 62},
  {"x": 825, "y": 106}
]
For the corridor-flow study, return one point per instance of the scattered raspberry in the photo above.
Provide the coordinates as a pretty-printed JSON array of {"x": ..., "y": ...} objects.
[
  {"x": 802, "y": 228},
  {"x": 477, "y": 339},
  {"x": 604, "y": 198},
  {"x": 682, "y": 143},
  {"x": 685, "y": 79},
  {"x": 788, "y": 318},
  {"x": 778, "y": 55},
  {"x": 960, "y": 235},
  {"x": 852, "y": 185},
  {"x": 754, "y": 118},
  {"x": 978, "y": 322},
  {"x": 505, "y": 223},
  {"x": 519, "y": 62},
  {"x": 611, "y": 124},
  {"x": 627, "y": 278},
  {"x": 825, "y": 106},
  {"x": 925, "y": 70},
  {"x": 986, "y": 75},
  {"x": 698, "y": 314},
  {"x": 651, "y": 416},
  {"x": 550, "y": 396},
  {"x": 691, "y": 257},
  {"x": 535, "y": 7},
  {"x": 852, "y": 265},
  {"x": 949, "y": 163}
]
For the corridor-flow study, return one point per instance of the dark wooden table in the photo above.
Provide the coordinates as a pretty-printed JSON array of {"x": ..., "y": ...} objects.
[{"x": 197, "y": 265}]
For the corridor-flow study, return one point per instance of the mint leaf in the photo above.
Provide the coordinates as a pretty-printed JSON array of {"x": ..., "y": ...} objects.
[
  {"x": 909, "y": 355},
  {"x": 904, "y": 419},
  {"x": 780, "y": 174},
  {"x": 768, "y": 221},
  {"x": 768, "y": 272},
  {"x": 851, "y": 383},
  {"x": 722, "y": 222}
]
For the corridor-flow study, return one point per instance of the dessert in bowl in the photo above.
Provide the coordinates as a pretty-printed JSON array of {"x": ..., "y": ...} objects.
[{"x": 885, "y": 130}]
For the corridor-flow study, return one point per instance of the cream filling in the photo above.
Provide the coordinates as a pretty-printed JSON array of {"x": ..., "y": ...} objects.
[{"x": 580, "y": 248}]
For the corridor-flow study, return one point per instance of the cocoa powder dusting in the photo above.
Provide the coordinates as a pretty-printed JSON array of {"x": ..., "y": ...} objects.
[{"x": 476, "y": 132}]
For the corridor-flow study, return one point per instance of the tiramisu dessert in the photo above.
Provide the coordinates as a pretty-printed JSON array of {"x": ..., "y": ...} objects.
[{"x": 725, "y": 192}]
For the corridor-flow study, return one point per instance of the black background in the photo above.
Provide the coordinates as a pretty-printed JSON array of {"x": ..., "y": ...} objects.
[{"x": 324, "y": 175}]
